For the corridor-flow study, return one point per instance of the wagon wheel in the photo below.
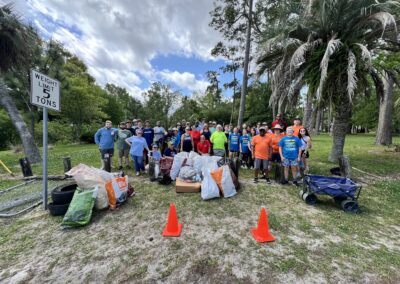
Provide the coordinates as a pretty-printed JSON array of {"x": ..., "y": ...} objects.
[
  {"x": 350, "y": 206},
  {"x": 309, "y": 198}
]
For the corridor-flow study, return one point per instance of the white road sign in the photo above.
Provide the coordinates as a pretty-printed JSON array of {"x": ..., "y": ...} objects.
[{"x": 45, "y": 91}]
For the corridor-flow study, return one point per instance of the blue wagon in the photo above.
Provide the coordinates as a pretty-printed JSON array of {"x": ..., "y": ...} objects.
[{"x": 344, "y": 191}]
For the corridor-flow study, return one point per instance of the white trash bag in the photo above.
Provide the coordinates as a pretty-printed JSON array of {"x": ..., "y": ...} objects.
[{"x": 209, "y": 188}]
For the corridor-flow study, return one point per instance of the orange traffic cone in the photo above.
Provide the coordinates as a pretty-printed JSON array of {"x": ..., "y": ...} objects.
[
  {"x": 173, "y": 228},
  {"x": 261, "y": 233}
]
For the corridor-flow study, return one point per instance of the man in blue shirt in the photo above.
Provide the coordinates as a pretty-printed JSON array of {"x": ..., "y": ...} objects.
[
  {"x": 289, "y": 150},
  {"x": 233, "y": 142},
  {"x": 104, "y": 138}
]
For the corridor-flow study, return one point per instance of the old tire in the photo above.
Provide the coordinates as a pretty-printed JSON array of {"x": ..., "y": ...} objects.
[
  {"x": 350, "y": 206},
  {"x": 63, "y": 194},
  {"x": 310, "y": 199},
  {"x": 58, "y": 209}
]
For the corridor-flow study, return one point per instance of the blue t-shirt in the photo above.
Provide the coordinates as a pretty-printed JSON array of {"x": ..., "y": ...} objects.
[
  {"x": 138, "y": 145},
  {"x": 290, "y": 147},
  {"x": 245, "y": 141},
  {"x": 234, "y": 142},
  {"x": 104, "y": 137},
  {"x": 156, "y": 155},
  {"x": 148, "y": 134},
  {"x": 169, "y": 153}
]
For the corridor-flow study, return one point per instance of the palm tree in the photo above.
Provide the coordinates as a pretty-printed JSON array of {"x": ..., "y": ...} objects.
[
  {"x": 16, "y": 44},
  {"x": 328, "y": 45}
]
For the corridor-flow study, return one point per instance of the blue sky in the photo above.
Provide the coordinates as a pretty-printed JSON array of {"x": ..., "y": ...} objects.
[{"x": 133, "y": 43}]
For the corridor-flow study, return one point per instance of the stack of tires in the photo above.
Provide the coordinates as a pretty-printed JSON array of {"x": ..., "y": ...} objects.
[{"x": 61, "y": 196}]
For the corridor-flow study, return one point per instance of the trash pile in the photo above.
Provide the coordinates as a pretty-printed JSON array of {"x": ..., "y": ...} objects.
[
  {"x": 211, "y": 175},
  {"x": 94, "y": 188}
]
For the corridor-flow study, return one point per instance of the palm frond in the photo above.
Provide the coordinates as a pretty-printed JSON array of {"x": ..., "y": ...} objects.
[
  {"x": 332, "y": 47},
  {"x": 299, "y": 56},
  {"x": 365, "y": 55},
  {"x": 386, "y": 19},
  {"x": 351, "y": 75}
]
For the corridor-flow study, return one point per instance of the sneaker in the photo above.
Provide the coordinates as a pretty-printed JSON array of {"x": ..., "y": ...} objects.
[
  {"x": 255, "y": 180},
  {"x": 268, "y": 180},
  {"x": 284, "y": 182},
  {"x": 137, "y": 173},
  {"x": 296, "y": 183}
]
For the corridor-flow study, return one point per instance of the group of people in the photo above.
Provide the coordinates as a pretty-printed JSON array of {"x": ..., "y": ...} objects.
[{"x": 257, "y": 147}]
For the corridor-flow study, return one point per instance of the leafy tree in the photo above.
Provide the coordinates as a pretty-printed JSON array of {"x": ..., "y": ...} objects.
[
  {"x": 16, "y": 47},
  {"x": 328, "y": 47},
  {"x": 160, "y": 103},
  {"x": 83, "y": 100},
  {"x": 189, "y": 110},
  {"x": 130, "y": 106}
]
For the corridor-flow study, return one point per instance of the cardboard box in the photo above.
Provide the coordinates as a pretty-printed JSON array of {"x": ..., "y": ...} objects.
[{"x": 192, "y": 187}]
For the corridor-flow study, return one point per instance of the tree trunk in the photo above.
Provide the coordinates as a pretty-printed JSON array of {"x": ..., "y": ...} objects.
[
  {"x": 384, "y": 131},
  {"x": 317, "y": 121},
  {"x": 308, "y": 111},
  {"x": 246, "y": 66},
  {"x": 30, "y": 148},
  {"x": 340, "y": 127}
]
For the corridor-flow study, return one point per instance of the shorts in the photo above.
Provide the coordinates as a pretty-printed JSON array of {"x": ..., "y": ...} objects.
[
  {"x": 258, "y": 162},
  {"x": 290, "y": 162},
  {"x": 123, "y": 153},
  {"x": 233, "y": 150},
  {"x": 219, "y": 153},
  {"x": 307, "y": 154},
  {"x": 106, "y": 153},
  {"x": 276, "y": 157}
]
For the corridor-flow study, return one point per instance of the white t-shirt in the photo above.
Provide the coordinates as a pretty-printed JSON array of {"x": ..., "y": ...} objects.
[
  {"x": 158, "y": 133},
  {"x": 304, "y": 141}
]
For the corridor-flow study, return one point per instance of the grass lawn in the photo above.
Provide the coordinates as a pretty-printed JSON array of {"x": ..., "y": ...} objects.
[{"x": 317, "y": 244}]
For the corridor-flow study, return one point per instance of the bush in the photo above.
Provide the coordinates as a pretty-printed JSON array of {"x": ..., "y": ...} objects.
[
  {"x": 8, "y": 134},
  {"x": 58, "y": 132}
]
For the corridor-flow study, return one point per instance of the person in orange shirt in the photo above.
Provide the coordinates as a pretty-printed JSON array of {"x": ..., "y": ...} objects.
[
  {"x": 297, "y": 126},
  {"x": 276, "y": 137},
  {"x": 261, "y": 151}
]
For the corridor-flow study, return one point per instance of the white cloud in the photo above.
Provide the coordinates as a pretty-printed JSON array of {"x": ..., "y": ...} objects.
[
  {"x": 117, "y": 39},
  {"x": 184, "y": 80}
]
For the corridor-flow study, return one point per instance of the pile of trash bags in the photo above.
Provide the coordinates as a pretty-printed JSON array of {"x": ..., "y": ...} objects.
[
  {"x": 215, "y": 174},
  {"x": 96, "y": 189}
]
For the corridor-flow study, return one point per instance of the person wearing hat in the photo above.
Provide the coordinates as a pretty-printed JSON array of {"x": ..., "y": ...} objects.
[
  {"x": 138, "y": 144},
  {"x": 296, "y": 126},
  {"x": 261, "y": 152},
  {"x": 276, "y": 137},
  {"x": 289, "y": 150},
  {"x": 170, "y": 151},
  {"x": 122, "y": 147},
  {"x": 175, "y": 138},
  {"x": 218, "y": 139},
  {"x": 279, "y": 120}
]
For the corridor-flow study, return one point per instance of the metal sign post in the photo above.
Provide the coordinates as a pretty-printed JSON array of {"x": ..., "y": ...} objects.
[
  {"x": 45, "y": 92},
  {"x": 44, "y": 182}
]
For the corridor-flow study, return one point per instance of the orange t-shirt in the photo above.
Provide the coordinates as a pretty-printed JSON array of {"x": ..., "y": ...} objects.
[
  {"x": 275, "y": 140},
  {"x": 296, "y": 129},
  {"x": 261, "y": 146}
]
